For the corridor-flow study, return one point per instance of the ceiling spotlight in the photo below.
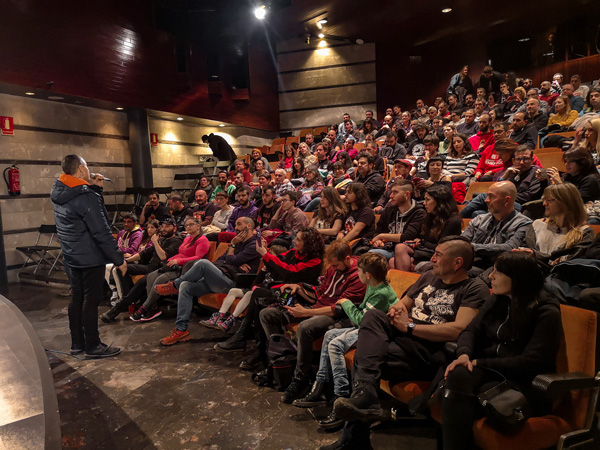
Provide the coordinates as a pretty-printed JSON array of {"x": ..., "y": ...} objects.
[
  {"x": 180, "y": 118},
  {"x": 446, "y": 10},
  {"x": 119, "y": 108},
  {"x": 322, "y": 43},
  {"x": 29, "y": 93},
  {"x": 261, "y": 12},
  {"x": 322, "y": 22},
  {"x": 524, "y": 40},
  {"x": 360, "y": 41},
  {"x": 321, "y": 35},
  {"x": 222, "y": 125}
]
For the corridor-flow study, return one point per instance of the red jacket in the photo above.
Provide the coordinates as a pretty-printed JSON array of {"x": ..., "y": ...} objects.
[
  {"x": 489, "y": 161},
  {"x": 476, "y": 139},
  {"x": 338, "y": 285}
]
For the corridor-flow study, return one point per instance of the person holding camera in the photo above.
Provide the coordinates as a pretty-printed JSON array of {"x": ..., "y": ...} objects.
[{"x": 372, "y": 272}]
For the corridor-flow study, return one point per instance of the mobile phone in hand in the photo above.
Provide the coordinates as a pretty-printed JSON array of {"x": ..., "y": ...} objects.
[
  {"x": 543, "y": 174},
  {"x": 259, "y": 238},
  {"x": 416, "y": 180}
]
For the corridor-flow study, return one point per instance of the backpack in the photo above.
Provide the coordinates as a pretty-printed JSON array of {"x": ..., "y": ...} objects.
[{"x": 282, "y": 354}]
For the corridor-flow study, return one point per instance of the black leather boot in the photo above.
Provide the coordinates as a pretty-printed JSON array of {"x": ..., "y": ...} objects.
[
  {"x": 317, "y": 397},
  {"x": 363, "y": 404},
  {"x": 112, "y": 313}
]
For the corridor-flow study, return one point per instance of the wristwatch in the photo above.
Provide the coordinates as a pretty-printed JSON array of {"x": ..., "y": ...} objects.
[
  {"x": 410, "y": 328},
  {"x": 232, "y": 245}
]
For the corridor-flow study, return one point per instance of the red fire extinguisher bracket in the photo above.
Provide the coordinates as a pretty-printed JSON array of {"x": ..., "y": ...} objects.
[{"x": 12, "y": 180}]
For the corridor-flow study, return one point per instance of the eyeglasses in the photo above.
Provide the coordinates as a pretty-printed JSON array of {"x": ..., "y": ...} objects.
[
  {"x": 498, "y": 131},
  {"x": 522, "y": 158}
]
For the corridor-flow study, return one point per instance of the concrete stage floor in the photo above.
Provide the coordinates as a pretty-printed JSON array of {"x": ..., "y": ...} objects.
[{"x": 183, "y": 397}]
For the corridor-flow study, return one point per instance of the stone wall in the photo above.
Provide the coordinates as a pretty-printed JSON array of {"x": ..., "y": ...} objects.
[{"x": 317, "y": 85}]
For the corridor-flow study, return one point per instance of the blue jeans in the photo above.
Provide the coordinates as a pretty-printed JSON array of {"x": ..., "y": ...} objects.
[
  {"x": 312, "y": 205},
  {"x": 332, "y": 366},
  {"x": 203, "y": 278},
  {"x": 388, "y": 254}
]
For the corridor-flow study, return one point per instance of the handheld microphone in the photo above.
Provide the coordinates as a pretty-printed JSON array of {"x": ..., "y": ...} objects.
[{"x": 94, "y": 175}]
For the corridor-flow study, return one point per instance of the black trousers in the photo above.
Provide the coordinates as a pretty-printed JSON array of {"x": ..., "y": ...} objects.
[
  {"x": 132, "y": 269},
  {"x": 382, "y": 347},
  {"x": 88, "y": 292}
]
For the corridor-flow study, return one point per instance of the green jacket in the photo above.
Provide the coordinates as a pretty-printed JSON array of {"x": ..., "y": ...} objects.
[{"x": 379, "y": 297}]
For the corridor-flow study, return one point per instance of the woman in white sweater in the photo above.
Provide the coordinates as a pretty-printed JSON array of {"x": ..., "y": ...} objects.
[{"x": 221, "y": 217}]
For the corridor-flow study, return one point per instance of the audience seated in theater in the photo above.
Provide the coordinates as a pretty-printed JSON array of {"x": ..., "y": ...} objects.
[
  {"x": 392, "y": 150},
  {"x": 348, "y": 132},
  {"x": 369, "y": 117},
  {"x": 412, "y": 336},
  {"x": 152, "y": 227},
  {"x": 360, "y": 219},
  {"x": 179, "y": 211},
  {"x": 245, "y": 208},
  {"x": 404, "y": 123},
  {"x": 281, "y": 183},
  {"x": 240, "y": 166},
  {"x": 307, "y": 157},
  {"x": 298, "y": 172},
  {"x": 194, "y": 247},
  {"x": 372, "y": 149},
  {"x": 533, "y": 93},
  {"x": 260, "y": 170},
  {"x": 223, "y": 185},
  {"x": 255, "y": 156},
  {"x": 205, "y": 277},
  {"x": 310, "y": 189},
  {"x": 323, "y": 161},
  {"x": 204, "y": 210},
  {"x": 563, "y": 233},
  {"x": 329, "y": 218},
  {"x": 497, "y": 156},
  {"x": 221, "y": 216},
  {"x": 309, "y": 139},
  {"x": 333, "y": 373},
  {"x": 386, "y": 127},
  {"x": 401, "y": 171},
  {"x": 592, "y": 102},
  {"x": 515, "y": 334},
  {"x": 500, "y": 230},
  {"x": 373, "y": 181},
  {"x": 496, "y": 114},
  {"x": 238, "y": 184},
  {"x": 342, "y": 126},
  {"x": 563, "y": 115},
  {"x": 580, "y": 171},
  {"x": 546, "y": 94},
  {"x": 469, "y": 126},
  {"x": 286, "y": 221},
  {"x": 523, "y": 132},
  {"x": 400, "y": 221},
  {"x": 523, "y": 175},
  {"x": 154, "y": 209},
  {"x": 301, "y": 264},
  {"x": 484, "y": 137},
  {"x": 350, "y": 149},
  {"x": 449, "y": 130},
  {"x": 165, "y": 245},
  {"x": 469, "y": 102},
  {"x": 206, "y": 186},
  {"x": 430, "y": 144},
  {"x": 289, "y": 155},
  {"x": 437, "y": 127},
  {"x": 461, "y": 162},
  {"x": 576, "y": 102},
  {"x": 453, "y": 103},
  {"x": 130, "y": 237},
  {"x": 535, "y": 115},
  {"x": 442, "y": 220},
  {"x": 315, "y": 320},
  {"x": 436, "y": 174},
  {"x": 256, "y": 196},
  {"x": 368, "y": 129},
  {"x": 479, "y": 108},
  {"x": 267, "y": 209},
  {"x": 581, "y": 90},
  {"x": 340, "y": 179},
  {"x": 416, "y": 147}
]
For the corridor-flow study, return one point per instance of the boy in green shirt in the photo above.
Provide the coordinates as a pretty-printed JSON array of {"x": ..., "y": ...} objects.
[{"x": 372, "y": 271}]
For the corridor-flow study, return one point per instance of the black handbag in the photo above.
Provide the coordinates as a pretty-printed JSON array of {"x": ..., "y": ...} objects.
[{"x": 506, "y": 408}]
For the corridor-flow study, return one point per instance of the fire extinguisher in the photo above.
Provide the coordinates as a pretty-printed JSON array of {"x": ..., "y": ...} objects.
[{"x": 14, "y": 186}]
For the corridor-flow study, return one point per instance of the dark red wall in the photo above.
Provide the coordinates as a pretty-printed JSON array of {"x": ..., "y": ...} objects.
[{"x": 110, "y": 51}]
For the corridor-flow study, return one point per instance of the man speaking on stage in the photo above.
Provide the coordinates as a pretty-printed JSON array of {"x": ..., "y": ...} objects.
[{"x": 87, "y": 244}]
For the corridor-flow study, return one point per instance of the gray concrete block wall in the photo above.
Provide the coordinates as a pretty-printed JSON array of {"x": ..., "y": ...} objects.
[{"x": 318, "y": 85}]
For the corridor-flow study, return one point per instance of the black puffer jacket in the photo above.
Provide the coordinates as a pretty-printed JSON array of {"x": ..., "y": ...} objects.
[{"x": 82, "y": 224}]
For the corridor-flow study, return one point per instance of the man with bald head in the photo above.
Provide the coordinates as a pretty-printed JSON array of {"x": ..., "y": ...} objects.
[
  {"x": 533, "y": 93},
  {"x": 535, "y": 115},
  {"x": 500, "y": 230},
  {"x": 412, "y": 335}
]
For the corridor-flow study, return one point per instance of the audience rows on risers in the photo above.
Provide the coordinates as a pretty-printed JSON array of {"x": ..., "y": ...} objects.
[{"x": 528, "y": 240}]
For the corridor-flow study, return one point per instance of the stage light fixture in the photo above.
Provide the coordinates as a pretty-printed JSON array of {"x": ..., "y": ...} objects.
[
  {"x": 180, "y": 118},
  {"x": 261, "y": 12},
  {"x": 446, "y": 10},
  {"x": 321, "y": 35},
  {"x": 222, "y": 125},
  {"x": 29, "y": 93}
]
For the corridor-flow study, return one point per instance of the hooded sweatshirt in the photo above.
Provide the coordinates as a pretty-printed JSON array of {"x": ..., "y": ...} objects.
[
  {"x": 407, "y": 224},
  {"x": 338, "y": 285},
  {"x": 129, "y": 241},
  {"x": 82, "y": 224}
]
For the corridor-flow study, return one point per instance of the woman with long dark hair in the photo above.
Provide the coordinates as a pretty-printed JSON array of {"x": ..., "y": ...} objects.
[
  {"x": 286, "y": 163},
  {"x": 311, "y": 188},
  {"x": 298, "y": 172},
  {"x": 369, "y": 129},
  {"x": 515, "y": 336},
  {"x": 329, "y": 218},
  {"x": 461, "y": 162},
  {"x": 360, "y": 218},
  {"x": 580, "y": 171},
  {"x": 150, "y": 229},
  {"x": 442, "y": 220}
]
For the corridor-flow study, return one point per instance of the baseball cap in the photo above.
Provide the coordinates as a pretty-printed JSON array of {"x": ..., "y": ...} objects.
[
  {"x": 407, "y": 162},
  {"x": 169, "y": 221}
]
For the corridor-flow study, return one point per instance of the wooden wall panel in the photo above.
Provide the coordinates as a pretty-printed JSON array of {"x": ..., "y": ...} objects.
[{"x": 110, "y": 51}]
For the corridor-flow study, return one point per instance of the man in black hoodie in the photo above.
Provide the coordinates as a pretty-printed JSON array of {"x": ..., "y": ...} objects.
[
  {"x": 374, "y": 182},
  {"x": 87, "y": 244},
  {"x": 220, "y": 147},
  {"x": 400, "y": 221}
]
